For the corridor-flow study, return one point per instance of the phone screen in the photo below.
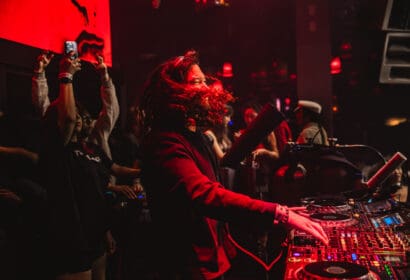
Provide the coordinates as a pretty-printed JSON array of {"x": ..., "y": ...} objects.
[{"x": 71, "y": 46}]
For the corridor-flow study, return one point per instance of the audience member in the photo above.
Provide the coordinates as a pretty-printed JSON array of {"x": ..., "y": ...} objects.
[
  {"x": 259, "y": 166},
  {"x": 220, "y": 135},
  {"x": 104, "y": 124},
  {"x": 309, "y": 121},
  {"x": 22, "y": 205},
  {"x": 283, "y": 135},
  {"x": 75, "y": 173}
]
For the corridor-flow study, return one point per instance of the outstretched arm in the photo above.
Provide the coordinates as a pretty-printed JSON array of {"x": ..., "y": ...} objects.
[
  {"x": 270, "y": 152},
  {"x": 65, "y": 102},
  {"x": 19, "y": 152},
  {"x": 39, "y": 86},
  {"x": 110, "y": 109},
  {"x": 120, "y": 170}
]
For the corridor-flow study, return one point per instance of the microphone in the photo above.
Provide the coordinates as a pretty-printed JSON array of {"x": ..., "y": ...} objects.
[
  {"x": 386, "y": 170},
  {"x": 265, "y": 122}
]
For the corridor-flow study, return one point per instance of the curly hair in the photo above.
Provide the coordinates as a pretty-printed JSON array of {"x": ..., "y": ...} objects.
[{"x": 168, "y": 101}]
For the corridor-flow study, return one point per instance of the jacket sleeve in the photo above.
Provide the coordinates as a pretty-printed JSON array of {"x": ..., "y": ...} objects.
[
  {"x": 182, "y": 180},
  {"x": 107, "y": 118},
  {"x": 39, "y": 93}
]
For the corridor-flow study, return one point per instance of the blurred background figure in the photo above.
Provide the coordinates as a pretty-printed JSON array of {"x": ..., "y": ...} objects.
[
  {"x": 309, "y": 121},
  {"x": 220, "y": 134},
  {"x": 257, "y": 169},
  {"x": 395, "y": 186}
]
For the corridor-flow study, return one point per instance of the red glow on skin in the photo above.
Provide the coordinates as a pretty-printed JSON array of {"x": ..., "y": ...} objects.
[
  {"x": 292, "y": 76},
  {"x": 46, "y": 24},
  {"x": 335, "y": 66},
  {"x": 217, "y": 86}
]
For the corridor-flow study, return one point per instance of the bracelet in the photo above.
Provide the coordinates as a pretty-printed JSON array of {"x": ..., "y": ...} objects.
[
  {"x": 66, "y": 80},
  {"x": 281, "y": 215},
  {"x": 65, "y": 75},
  {"x": 39, "y": 75}
]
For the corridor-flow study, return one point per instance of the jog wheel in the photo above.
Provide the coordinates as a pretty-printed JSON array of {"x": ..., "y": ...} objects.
[
  {"x": 333, "y": 219},
  {"x": 335, "y": 270}
]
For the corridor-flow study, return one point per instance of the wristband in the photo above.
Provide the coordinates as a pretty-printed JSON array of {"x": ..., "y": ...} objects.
[
  {"x": 66, "y": 80},
  {"x": 65, "y": 75},
  {"x": 281, "y": 215}
]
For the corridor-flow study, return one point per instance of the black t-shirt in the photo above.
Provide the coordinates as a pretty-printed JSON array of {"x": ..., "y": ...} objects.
[{"x": 74, "y": 176}]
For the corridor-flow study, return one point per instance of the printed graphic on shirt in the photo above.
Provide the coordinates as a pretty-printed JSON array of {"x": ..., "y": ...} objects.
[{"x": 78, "y": 153}]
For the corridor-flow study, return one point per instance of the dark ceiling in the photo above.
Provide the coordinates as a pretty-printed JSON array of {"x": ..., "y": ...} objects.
[{"x": 253, "y": 35}]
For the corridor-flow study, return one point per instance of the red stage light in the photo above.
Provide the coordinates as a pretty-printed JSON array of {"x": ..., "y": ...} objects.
[
  {"x": 227, "y": 70},
  {"x": 335, "y": 66},
  {"x": 346, "y": 47}
]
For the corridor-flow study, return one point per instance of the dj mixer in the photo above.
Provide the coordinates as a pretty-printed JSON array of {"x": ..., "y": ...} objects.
[{"x": 368, "y": 240}]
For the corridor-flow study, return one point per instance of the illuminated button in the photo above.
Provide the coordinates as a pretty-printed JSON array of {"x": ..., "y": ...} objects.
[
  {"x": 354, "y": 257},
  {"x": 375, "y": 263}
]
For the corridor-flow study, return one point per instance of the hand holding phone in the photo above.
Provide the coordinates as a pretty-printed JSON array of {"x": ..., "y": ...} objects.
[{"x": 70, "y": 48}]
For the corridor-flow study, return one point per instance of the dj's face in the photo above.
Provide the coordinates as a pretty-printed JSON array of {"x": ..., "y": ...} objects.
[{"x": 195, "y": 78}]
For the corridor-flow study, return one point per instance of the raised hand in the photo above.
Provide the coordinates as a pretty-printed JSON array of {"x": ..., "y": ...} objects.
[
  {"x": 68, "y": 65},
  {"x": 43, "y": 60},
  {"x": 101, "y": 68}
]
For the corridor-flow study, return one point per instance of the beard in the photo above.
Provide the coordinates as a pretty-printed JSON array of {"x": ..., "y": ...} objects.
[{"x": 207, "y": 106}]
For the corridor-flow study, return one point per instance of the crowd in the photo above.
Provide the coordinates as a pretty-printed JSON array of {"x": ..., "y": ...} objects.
[{"x": 84, "y": 201}]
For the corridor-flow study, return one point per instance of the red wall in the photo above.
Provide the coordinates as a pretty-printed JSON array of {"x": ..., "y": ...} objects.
[{"x": 46, "y": 24}]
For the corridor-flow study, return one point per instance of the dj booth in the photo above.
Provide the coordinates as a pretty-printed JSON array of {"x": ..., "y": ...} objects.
[
  {"x": 368, "y": 240},
  {"x": 369, "y": 234}
]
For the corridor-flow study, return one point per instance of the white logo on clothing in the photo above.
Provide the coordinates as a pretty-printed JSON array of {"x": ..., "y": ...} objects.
[{"x": 79, "y": 153}]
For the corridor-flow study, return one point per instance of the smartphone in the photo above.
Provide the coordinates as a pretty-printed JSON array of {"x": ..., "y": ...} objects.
[{"x": 71, "y": 47}]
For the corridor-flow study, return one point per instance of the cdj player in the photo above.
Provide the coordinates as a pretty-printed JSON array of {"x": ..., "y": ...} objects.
[{"x": 368, "y": 240}]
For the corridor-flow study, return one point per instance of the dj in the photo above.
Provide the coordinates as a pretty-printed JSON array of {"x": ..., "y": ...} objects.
[{"x": 189, "y": 206}]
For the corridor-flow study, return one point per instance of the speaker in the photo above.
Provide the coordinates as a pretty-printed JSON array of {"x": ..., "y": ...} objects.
[
  {"x": 395, "y": 67},
  {"x": 397, "y": 16}
]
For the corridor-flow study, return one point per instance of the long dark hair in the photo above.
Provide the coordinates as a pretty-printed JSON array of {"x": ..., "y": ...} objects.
[
  {"x": 167, "y": 101},
  {"x": 221, "y": 131}
]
